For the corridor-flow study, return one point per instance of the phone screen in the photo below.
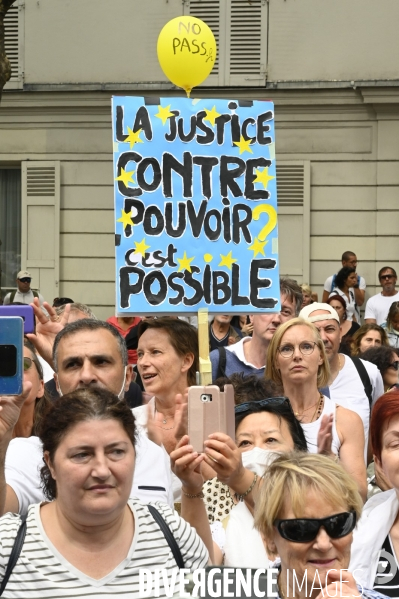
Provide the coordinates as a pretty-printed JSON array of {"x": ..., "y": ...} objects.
[{"x": 8, "y": 360}]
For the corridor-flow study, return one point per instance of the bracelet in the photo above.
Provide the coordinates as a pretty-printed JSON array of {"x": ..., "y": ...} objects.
[
  {"x": 240, "y": 497},
  {"x": 199, "y": 495}
]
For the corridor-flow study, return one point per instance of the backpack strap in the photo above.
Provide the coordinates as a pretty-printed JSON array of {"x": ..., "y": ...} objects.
[
  {"x": 221, "y": 371},
  {"x": 362, "y": 372},
  {"x": 15, "y": 552},
  {"x": 12, "y": 296},
  {"x": 333, "y": 283},
  {"x": 170, "y": 539},
  {"x": 35, "y": 293}
]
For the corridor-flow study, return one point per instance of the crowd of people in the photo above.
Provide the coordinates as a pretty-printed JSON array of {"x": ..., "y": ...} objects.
[{"x": 98, "y": 478}]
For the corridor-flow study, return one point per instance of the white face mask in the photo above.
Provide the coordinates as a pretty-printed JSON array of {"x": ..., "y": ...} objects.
[
  {"x": 121, "y": 393},
  {"x": 257, "y": 459}
]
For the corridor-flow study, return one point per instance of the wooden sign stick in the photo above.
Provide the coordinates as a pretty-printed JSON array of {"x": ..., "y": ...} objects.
[{"x": 205, "y": 365}]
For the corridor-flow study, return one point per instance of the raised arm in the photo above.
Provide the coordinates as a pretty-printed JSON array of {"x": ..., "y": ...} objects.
[
  {"x": 351, "y": 433},
  {"x": 47, "y": 328},
  {"x": 186, "y": 465},
  {"x": 10, "y": 409}
]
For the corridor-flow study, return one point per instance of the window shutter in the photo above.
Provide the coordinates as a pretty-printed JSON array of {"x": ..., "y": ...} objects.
[
  {"x": 240, "y": 28},
  {"x": 40, "y": 232},
  {"x": 13, "y": 30},
  {"x": 293, "y": 201},
  {"x": 212, "y": 13},
  {"x": 246, "y": 43}
]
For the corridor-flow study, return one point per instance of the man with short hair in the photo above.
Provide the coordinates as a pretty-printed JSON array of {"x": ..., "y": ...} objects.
[
  {"x": 249, "y": 354},
  {"x": 351, "y": 379},
  {"x": 86, "y": 353},
  {"x": 24, "y": 294},
  {"x": 378, "y": 305},
  {"x": 348, "y": 259}
]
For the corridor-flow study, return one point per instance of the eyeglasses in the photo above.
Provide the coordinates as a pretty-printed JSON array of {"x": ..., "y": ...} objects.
[
  {"x": 394, "y": 365},
  {"x": 305, "y": 530},
  {"x": 27, "y": 363},
  {"x": 306, "y": 348},
  {"x": 25, "y": 280},
  {"x": 386, "y": 277},
  {"x": 249, "y": 406}
]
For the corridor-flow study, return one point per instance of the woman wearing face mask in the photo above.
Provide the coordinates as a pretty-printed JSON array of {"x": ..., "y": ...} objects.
[
  {"x": 391, "y": 326},
  {"x": 264, "y": 428}
]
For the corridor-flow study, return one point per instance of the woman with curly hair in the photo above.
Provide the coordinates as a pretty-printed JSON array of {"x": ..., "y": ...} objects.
[
  {"x": 369, "y": 335},
  {"x": 344, "y": 283},
  {"x": 391, "y": 326},
  {"x": 387, "y": 361}
]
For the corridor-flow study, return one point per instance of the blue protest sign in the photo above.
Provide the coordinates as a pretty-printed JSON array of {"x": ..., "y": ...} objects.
[{"x": 195, "y": 206}]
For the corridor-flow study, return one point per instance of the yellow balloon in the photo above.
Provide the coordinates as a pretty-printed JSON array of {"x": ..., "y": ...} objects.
[{"x": 186, "y": 51}]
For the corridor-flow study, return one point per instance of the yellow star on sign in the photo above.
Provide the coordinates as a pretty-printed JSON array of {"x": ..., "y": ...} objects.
[
  {"x": 164, "y": 113},
  {"x": 185, "y": 263},
  {"x": 141, "y": 247},
  {"x": 133, "y": 137},
  {"x": 126, "y": 219},
  {"x": 263, "y": 177},
  {"x": 227, "y": 260},
  {"x": 258, "y": 247},
  {"x": 243, "y": 145},
  {"x": 211, "y": 115},
  {"x": 126, "y": 177}
]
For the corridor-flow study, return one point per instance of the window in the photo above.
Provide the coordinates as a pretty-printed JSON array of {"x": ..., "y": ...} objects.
[
  {"x": 240, "y": 30},
  {"x": 13, "y": 29},
  {"x": 10, "y": 227}
]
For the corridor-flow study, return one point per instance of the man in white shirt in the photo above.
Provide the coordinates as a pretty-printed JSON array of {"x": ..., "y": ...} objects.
[
  {"x": 249, "y": 354},
  {"x": 348, "y": 259},
  {"x": 24, "y": 294},
  {"x": 346, "y": 387},
  {"x": 86, "y": 353},
  {"x": 378, "y": 305}
]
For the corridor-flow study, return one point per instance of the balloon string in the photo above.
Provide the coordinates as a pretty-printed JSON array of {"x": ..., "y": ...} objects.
[{"x": 188, "y": 91}]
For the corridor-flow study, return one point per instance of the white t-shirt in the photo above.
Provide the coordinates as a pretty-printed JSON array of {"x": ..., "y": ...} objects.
[
  {"x": 328, "y": 283},
  {"x": 42, "y": 572},
  {"x": 23, "y": 298},
  {"x": 141, "y": 415},
  {"x": 311, "y": 429},
  {"x": 348, "y": 391},
  {"x": 377, "y": 306},
  {"x": 24, "y": 459},
  {"x": 351, "y": 307}
]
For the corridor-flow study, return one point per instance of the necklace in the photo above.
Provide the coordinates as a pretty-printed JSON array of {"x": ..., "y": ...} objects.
[
  {"x": 309, "y": 408},
  {"x": 164, "y": 421},
  {"x": 318, "y": 409}
]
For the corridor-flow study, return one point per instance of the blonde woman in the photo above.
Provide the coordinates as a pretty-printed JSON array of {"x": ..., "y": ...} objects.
[
  {"x": 297, "y": 360},
  {"x": 306, "y": 512}
]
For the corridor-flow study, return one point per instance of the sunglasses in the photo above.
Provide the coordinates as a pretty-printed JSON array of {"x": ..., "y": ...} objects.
[
  {"x": 250, "y": 406},
  {"x": 25, "y": 280},
  {"x": 305, "y": 530},
  {"x": 394, "y": 365},
  {"x": 27, "y": 363},
  {"x": 386, "y": 277}
]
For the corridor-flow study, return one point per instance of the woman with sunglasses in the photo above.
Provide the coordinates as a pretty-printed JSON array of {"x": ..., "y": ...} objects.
[
  {"x": 264, "y": 429},
  {"x": 387, "y": 361},
  {"x": 297, "y": 360},
  {"x": 306, "y": 512},
  {"x": 375, "y": 548}
]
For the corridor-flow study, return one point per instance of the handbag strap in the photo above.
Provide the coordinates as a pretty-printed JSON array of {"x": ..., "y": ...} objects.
[
  {"x": 170, "y": 539},
  {"x": 15, "y": 552}
]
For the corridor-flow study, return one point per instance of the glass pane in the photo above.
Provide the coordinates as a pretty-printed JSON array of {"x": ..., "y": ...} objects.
[{"x": 10, "y": 227}]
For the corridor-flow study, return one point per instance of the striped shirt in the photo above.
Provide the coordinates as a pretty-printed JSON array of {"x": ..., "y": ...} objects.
[{"x": 42, "y": 572}]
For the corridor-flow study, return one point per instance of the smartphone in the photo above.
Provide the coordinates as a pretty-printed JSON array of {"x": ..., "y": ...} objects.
[
  {"x": 25, "y": 312},
  {"x": 11, "y": 355},
  {"x": 210, "y": 411}
]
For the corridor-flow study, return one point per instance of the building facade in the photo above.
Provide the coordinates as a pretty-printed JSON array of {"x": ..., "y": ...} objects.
[{"x": 330, "y": 68}]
